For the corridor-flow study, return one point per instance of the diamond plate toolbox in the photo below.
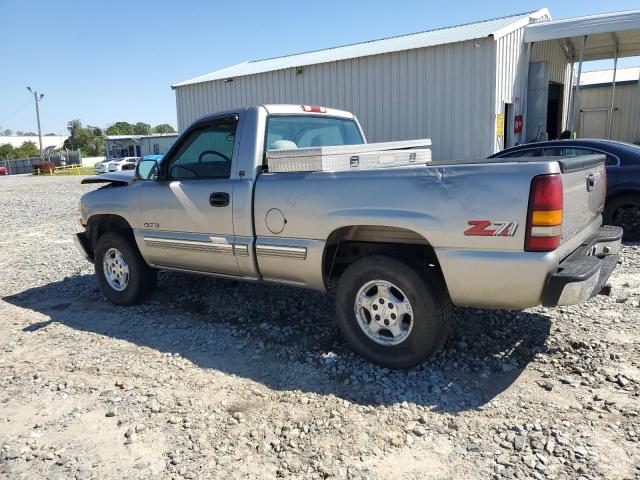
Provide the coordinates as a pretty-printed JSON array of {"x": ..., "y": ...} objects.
[{"x": 350, "y": 157}]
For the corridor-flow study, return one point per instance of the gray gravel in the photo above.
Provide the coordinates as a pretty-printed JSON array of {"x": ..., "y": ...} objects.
[{"x": 218, "y": 379}]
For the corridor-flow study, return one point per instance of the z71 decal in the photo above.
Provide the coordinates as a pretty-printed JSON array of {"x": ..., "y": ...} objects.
[{"x": 487, "y": 228}]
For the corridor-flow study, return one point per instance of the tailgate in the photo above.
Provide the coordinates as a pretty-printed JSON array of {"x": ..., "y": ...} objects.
[{"x": 584, "y": 182}]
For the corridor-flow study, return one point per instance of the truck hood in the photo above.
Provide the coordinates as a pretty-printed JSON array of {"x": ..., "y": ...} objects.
[{"x": 124, "y": 177}]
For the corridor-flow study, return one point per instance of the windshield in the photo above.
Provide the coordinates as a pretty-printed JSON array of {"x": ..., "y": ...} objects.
[{"x": 300, "y": 131}]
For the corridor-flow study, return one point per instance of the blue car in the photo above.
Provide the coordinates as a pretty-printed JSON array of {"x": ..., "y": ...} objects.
[
  {"x": 157, "y": 158},
  {"x": 622, "y": 206}
]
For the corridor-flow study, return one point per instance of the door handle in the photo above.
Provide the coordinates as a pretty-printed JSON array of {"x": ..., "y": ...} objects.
[
  {"x": 591, "y": 182},
  {"x": 219, "y": 199}
]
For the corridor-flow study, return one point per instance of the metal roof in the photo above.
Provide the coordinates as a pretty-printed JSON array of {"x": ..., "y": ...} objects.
[
  {"x": 496, "y": 27},
  {"x": 602, "y": 30},
  {"x": 605, "y": 77}
]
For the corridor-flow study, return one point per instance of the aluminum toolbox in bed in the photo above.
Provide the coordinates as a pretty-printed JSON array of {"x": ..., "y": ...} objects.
[{"x": 350, "y": 157}]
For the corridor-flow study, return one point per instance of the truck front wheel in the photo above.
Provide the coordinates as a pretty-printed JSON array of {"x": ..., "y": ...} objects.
[
  {"x": 122, "y": 274},
  {"x": 391, "y": 313}
]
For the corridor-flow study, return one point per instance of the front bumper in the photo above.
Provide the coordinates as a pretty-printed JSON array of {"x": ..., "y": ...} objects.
[
  {"x": 585, "y": 271},
  {"x": 84, "y": 245}
]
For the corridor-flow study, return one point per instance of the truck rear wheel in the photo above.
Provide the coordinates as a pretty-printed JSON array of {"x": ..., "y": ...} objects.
[
  {"x": 122, "y": 274},
  {"x": 391, "y": 313}
]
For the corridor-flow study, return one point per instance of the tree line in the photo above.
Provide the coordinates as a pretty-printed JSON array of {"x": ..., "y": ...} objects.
[
  {"x": 140, "y": 128},
  {"x": 27, "y": 149},
  {"x": 7, "y": 132},
  {"x": 88, "y": 139}
]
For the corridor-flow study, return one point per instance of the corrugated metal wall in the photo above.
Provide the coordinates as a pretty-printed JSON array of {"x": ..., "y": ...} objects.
[
  {"x": 552, "y": 53},
  {"x": 626, "y": 119},
  {"x": 445, "y": 93},
  {"x": 510, "y": 79}
]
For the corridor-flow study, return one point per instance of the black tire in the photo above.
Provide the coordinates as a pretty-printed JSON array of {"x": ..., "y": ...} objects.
[
  {"x": 624, "y": 212},
  {"x": 427, "y": 294},
  {"x": 142, "y": 279}
]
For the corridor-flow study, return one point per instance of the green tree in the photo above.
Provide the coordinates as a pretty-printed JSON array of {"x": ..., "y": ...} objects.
[
  {"x": 90, "y": 140},
  {"x": 7, "y": 132},
  {"x": 27, "y": 149},
  {"x": 120, "y": 128},
  {"x": 142, "y": 128},
  {"x": 163, "y": 128},
  {"x": 7, "y": 151}
]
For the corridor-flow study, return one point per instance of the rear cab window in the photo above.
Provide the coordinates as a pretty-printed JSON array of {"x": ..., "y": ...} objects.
[{"x": 303, "y": 131}]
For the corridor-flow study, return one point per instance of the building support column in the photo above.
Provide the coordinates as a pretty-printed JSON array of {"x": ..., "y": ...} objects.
[
  {"x": 522, "y": 136},
  {"x": 613, "y": 86},
  {"x": 576, "y": 97},
  {"x": 567, "y": 114}
]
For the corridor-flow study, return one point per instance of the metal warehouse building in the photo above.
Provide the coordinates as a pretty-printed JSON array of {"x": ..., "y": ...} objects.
[
  {"x": 595, "y": 105},
  {"x": 473, "y": 89}
]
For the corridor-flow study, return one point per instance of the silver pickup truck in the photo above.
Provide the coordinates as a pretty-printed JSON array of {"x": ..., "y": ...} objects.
[{"x": 402, "y": 244}]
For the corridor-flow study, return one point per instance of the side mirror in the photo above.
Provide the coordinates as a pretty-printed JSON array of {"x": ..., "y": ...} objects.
[{"x": 147, "y": 170}]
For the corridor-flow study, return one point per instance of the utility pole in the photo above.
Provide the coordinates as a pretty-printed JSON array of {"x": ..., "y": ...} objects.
[{"x": 38, "y": 99}]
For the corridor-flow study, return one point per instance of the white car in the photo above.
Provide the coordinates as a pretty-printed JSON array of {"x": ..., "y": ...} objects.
[
  {"x": 103, "y": 165},
  {"x": 124, "y": 163}
]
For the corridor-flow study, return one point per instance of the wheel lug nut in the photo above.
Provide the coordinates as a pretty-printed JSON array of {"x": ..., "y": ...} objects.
[
  {"x": 386, "y": 322},
  {"x": 377, "y": 317},
  {"x": 381, "y": 301},
  {"x": 391, "y": 305},
  {"x": 393, "y": 316}
]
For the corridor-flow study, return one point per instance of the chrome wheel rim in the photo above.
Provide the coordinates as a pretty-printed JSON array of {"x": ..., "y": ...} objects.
[
  {"x": 383, "y": 312},
  {"x": 116, "y": 269}
]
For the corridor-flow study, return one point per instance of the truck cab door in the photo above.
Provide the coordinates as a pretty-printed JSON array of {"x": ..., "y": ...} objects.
[{"x": 186, "y": 216}]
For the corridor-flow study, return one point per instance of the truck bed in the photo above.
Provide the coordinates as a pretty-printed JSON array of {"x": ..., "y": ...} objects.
[{"x": 433, "y": 204}]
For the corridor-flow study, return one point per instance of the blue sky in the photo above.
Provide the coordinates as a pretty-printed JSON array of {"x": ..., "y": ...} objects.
[{"x": 107, "y": 61}]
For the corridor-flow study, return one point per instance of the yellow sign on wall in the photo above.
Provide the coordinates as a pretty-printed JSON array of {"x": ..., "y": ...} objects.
[{"x": 500, "y": 125}]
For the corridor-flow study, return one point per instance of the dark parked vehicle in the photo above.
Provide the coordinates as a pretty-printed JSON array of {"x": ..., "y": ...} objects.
[{"x": 623, "y": 175}]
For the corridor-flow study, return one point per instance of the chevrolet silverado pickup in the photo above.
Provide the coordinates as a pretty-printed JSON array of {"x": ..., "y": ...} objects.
[{"x": 252, "y": 194}]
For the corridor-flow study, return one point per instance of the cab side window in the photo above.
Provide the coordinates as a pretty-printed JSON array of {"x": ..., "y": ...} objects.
[{"x": 206, "y": 152}]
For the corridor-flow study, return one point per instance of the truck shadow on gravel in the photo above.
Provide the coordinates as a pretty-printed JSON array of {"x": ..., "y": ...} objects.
[{"x": 287, "y": 339}]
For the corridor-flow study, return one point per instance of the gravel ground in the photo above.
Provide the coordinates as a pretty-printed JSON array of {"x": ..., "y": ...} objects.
[{"x": 221, "y": 379}]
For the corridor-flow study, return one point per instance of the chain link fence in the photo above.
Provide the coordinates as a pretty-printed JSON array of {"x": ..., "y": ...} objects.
[{"x": 25, "y": 165}]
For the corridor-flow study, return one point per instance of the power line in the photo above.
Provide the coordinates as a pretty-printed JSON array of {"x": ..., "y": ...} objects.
[{"x": 16, "y": 112}]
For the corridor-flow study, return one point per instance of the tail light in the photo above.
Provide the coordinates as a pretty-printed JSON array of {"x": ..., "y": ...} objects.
[
  {"x": 544, "y": 223},
  {"x": 313, "y": 108}
]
